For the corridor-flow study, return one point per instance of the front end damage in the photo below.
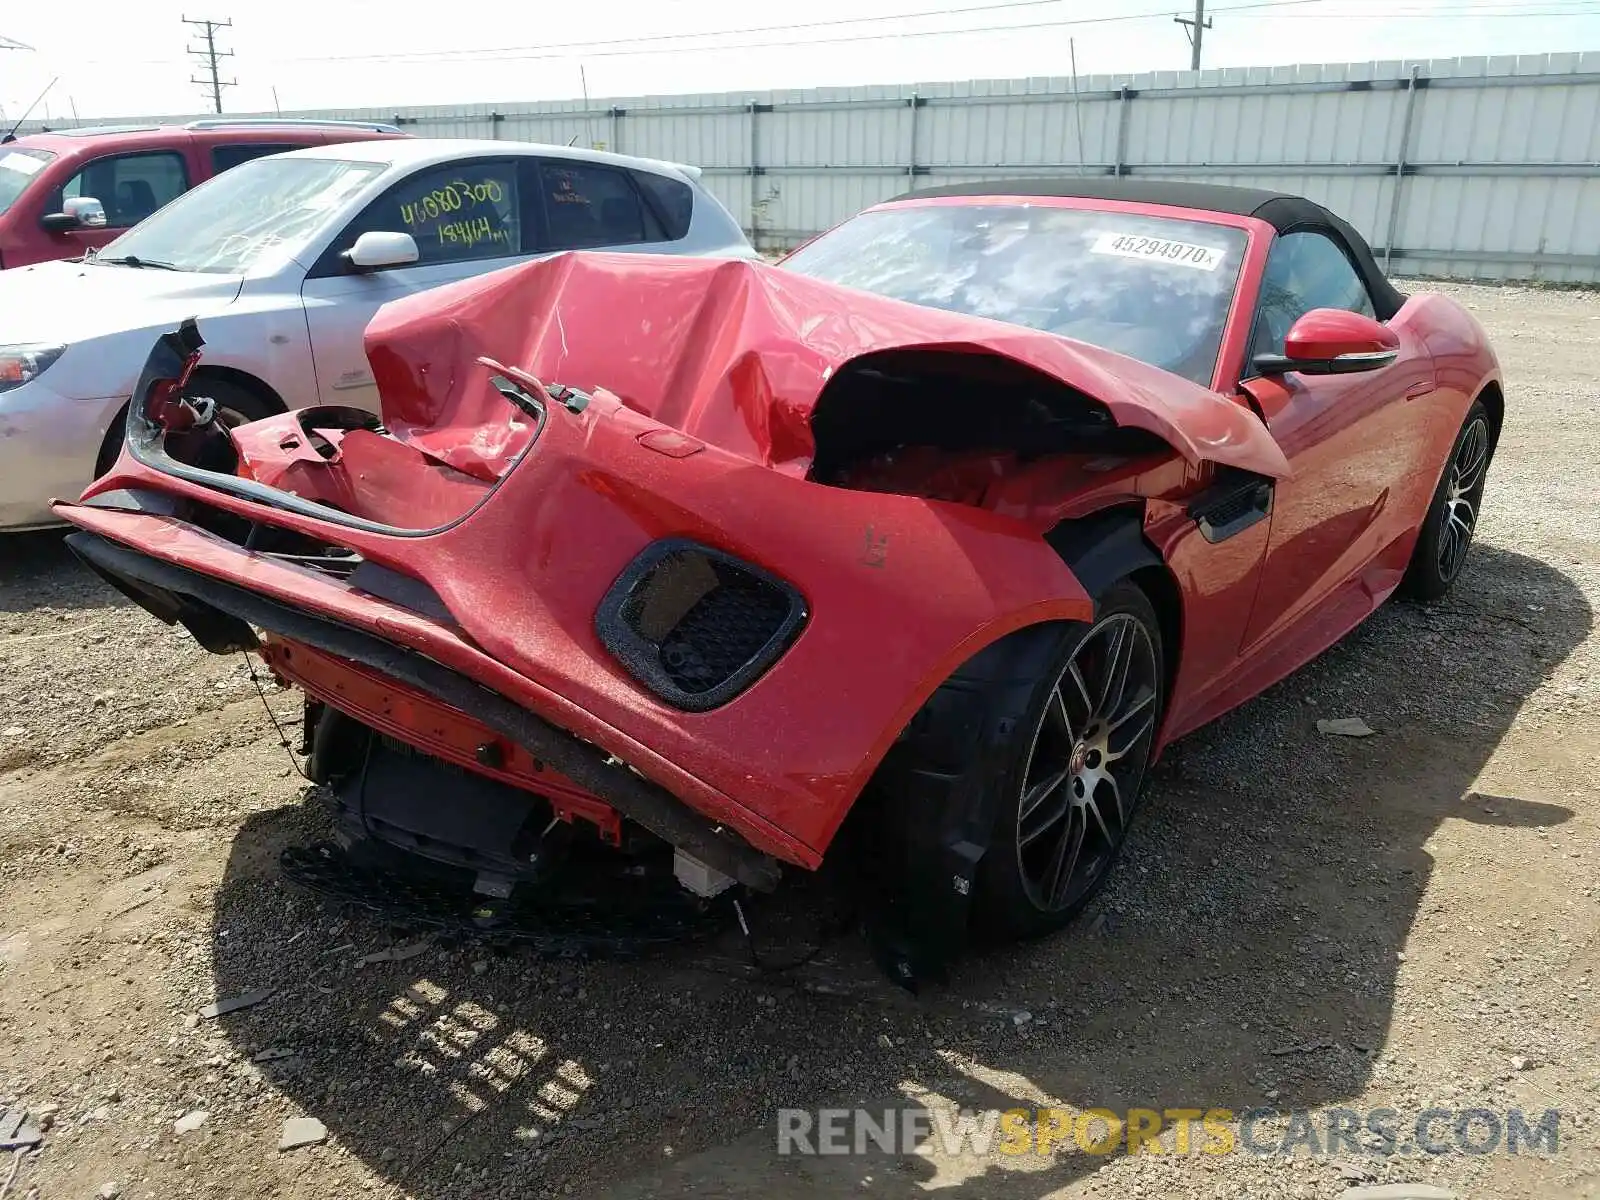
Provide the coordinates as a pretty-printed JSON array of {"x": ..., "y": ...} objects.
[{"x": 684, "y": 597}]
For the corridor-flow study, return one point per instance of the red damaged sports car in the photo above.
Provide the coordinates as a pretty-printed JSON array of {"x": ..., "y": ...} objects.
[{"x": 956, "y": 517}]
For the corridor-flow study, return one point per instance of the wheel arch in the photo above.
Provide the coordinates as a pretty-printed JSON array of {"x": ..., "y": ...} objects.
[
  {"x": 245, "y": 381},
  {"x": 1493, "y": 398},
  {"x": 111, "y": 441},
  {"x": 1110, "y": 545},
  {"x": 927, "y": 816}
]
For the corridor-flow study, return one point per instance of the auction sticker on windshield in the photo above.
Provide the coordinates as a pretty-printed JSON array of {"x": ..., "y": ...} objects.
[{"x": 1162, "y": 250}]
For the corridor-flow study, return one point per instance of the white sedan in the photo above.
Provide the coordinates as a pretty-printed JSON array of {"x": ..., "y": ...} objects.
[{"x": 284, "y": 260}]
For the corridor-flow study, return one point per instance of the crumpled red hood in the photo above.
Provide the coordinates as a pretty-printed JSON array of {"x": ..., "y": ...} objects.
[{"x": 735, "y": 353}]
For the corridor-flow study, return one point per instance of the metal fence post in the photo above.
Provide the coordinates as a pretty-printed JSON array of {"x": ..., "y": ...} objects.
[
  {"x": 755, "y": 173},
  {"x": 1400, "y": 168},
  {"x": 616, "y": 129},
  {"x": 912, "y": 170},
  {"x": 1124, "y": 95}
]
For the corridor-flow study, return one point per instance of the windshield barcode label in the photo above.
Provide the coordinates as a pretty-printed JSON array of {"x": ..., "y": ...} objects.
[{"x": 1162, "y": 250}]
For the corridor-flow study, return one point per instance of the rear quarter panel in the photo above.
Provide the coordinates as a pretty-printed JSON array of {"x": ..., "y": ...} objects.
[
  {"x": 1462, "y": 355},
  {"x": 1464, "y": 365}
]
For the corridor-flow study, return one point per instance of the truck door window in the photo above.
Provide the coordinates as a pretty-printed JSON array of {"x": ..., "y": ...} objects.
[{"x": 129, "y": 186}]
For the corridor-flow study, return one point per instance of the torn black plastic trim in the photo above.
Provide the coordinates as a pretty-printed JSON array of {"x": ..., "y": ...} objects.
[
  {"x": 519, "y": 396},
  {"x": 140, "y": 500},
  {"x": 632, "y": 795},
  {"x": 1104, "y": 547},
  {"x": 401, "y": 590},
  {"x": 938, "y": 802}
]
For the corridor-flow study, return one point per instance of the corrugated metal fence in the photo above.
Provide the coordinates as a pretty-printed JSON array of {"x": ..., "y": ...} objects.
[{"x": 1467, "y": 168}]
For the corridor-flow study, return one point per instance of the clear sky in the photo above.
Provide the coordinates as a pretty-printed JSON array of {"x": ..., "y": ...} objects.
[{"x": 122, "y": 59}]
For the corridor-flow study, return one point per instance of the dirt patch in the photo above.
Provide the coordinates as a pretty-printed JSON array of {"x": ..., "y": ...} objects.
[{"x": 1308, "y": 923}]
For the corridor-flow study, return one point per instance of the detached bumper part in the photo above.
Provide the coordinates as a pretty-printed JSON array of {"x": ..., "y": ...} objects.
[
  {"x": 489, "y": 829},
  {"x": 167, "y": 590},
  {"x": 698, "y": 878}
]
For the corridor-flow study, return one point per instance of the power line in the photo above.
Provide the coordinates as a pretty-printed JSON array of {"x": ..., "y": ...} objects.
[
  {"x": 212, "y": 56},
  {"x": 706, "y": 33},
  {"x": 1253, "y": 11},
  {"x": 623, "y": 47},
  {"x": 12, "y": 44},
  {"x": 1475, "y": 14},
  {"x": 566, "y": 49}
]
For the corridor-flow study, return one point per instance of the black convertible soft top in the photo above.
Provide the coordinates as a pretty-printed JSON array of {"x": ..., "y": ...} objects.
[{"x": 1285, "y": 213}]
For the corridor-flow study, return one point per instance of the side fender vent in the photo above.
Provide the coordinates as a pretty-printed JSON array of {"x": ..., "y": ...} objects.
[
  {"x": 1233, "y": 504},
  {"x": 695, "y": 625}
]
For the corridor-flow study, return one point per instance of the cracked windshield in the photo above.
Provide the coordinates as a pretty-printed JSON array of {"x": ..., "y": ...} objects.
[{"x": 270, "y": 207}]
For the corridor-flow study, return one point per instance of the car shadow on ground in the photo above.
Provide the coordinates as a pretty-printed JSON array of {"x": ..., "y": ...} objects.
[
  {"x": 37, "y": 567},
  {"x": 1245, "y": 953}
]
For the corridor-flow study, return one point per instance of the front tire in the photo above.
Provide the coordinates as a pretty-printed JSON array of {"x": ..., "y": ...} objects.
[
  {"x": 1078, "y": 759},
  {"x": 1452, "y": 519},
  {"x": 968, "y": 778}
]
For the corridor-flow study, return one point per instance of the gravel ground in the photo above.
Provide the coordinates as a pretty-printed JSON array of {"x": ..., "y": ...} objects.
[{"x": 1308, "y": 923}]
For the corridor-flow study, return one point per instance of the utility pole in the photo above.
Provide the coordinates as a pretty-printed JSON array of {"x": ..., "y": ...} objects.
[
  {"x": 1195, "y": 28},
  {"x": 210, "y": 54}
]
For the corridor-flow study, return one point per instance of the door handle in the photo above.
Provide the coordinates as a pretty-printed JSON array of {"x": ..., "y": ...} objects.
[{"x": 1419, "y": 389}]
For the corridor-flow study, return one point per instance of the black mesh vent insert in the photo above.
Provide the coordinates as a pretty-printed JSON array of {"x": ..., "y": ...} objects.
[{"x": 695, "y": 625}]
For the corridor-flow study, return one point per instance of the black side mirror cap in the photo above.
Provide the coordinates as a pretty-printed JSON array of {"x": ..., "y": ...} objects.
[{"x": 1344, "y": 364}]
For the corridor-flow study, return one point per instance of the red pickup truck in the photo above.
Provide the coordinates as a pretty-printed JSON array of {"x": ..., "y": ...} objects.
[{"x": 70, "y": 191}]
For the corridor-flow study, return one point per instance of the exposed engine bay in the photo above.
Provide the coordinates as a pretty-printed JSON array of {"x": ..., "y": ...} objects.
[{"x": 970, "y": 429}]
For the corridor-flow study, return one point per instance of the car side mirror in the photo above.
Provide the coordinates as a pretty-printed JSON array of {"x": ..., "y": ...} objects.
[
  {"x": 1332, "y": 341},
  {"x": 375, "y": 250},
  {"x": 80, "y": 212}
]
